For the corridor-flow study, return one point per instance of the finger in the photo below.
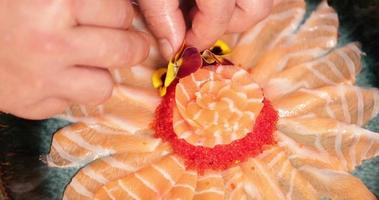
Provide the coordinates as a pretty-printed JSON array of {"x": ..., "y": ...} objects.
[
  {"x": 210, "y": 22},
  {"x": 166, "y": 21},
  {"x": 102, "y": 47},
  {"x": 107, "y": 13},
  {"x": 84, "y": 85},
  {"x": 248, "y": 13},
  {"x": 43, "y": 109}
]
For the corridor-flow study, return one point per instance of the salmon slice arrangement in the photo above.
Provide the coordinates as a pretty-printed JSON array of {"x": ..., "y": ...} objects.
[{"x": 291, "y": 64}]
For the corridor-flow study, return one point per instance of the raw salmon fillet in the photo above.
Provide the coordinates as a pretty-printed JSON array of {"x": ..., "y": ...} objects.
[{"x": 298, "y": 67}]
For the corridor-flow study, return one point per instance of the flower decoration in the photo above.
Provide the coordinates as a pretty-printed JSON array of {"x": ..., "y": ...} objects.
[
  {"x": 282, "y": 122},
  {"x": 186, "y": 61}
]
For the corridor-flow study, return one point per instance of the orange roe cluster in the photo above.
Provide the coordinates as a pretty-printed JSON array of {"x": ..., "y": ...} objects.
[{"x": 221, "y": 156}]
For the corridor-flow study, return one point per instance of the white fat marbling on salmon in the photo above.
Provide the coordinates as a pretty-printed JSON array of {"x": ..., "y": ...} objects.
[
  {"x": 286, "y": 142},
  {"x": 264, "y": 173},
  {"x": 345, "y": 106},
  {"x": 74, "y": 161},
  {"x": 360, "y": 106},
  {"x": 81, "y": 142},
  {"x": 113, "y": 162},
  {"x": 334, "y": 69},
  {"x": 283, "y": 169},
  {"x": 285, "y": 14},
  {"x": 109, "y": 193},
  {"x": 276, "y": 159},
  {"x": 369, "y": 146},
  {"x": 214, "y": 190},
  {"x": 307, "y": 52},
  {"x": 330, "y": 16},
  {"x": 319, "y": 75},
  {"x": 325, "y": 96},
  {"x": 298, "y": 16},
  {"x": 164, "y": 173},
  {"x": 338, "y": 149},
  {"x": 349, "y": 63},
  {"x": 319, "y": 146},
  {"x": 178, "y": 162},
  {"x": 252, "y": 190},
  {"x": 292, "y": 183},
  {"x": 147, "y": 183},
  {"x": 79, "y": 188},
  {"x": 186, "y": 186},
  {"x": 352, "y": 151},
  {"x": 126, "y": 189},
  {"x": 123, "y": 123},
  {"x": 88, "y": 171}
]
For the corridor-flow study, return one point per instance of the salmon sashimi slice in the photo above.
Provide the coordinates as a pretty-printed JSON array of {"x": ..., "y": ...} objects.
[
  {"x": 102, "y": 171},
  {"x": 259, "y": 182},
  {"x": 350, "y": 144},
  {"x": 216, "y": 106},
  {"x": 151, "y": 182},
  {"x": 328, "y": 178},
  {"x": 331, "y": 183},
  {"x": 313, "y": 39},
  {"x": 234, "y": 186},
  {"x": 251, "y": 45},
  {"x": 292, "y": 184},
  {"x": 350, "y": 104},
  {"x": 184, "y": 189},
  {"x": 210, "y": 185},
  {"x": 81, "y": 143},
  {"x": 339, "y": 66},
  {"x": 128, "y": 108}
]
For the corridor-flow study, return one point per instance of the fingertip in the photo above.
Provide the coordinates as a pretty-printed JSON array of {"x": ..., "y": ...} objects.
[
  {"x": 194, "y": 39},
  {"x": 141, "y": 46},
  {"x": 104, "y": 87},
  {"x": 166, "y": 21},
  {"x": 91, "y": 85},
  {"x": 166, "y": 48},
  {"x": 248, "y": 14},
  {"x": 210, "y": 21}
]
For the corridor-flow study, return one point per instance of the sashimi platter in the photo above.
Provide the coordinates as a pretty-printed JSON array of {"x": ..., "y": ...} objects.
[{"x": 271, "y": 113}]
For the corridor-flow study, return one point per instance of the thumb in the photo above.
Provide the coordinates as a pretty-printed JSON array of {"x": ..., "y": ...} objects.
[{"x": 166, "y": 21}]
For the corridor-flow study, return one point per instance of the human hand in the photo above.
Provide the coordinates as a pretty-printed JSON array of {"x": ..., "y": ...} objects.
[
  {"x": 54, "y": 53},
  {"x": 211, "y": 19}
]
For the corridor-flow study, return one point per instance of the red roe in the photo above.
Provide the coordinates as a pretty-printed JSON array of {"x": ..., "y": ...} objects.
[{"x": 222, "y": 156}]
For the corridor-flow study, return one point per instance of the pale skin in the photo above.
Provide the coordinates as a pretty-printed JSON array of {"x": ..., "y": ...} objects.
[{"x": 54, "y": 53}]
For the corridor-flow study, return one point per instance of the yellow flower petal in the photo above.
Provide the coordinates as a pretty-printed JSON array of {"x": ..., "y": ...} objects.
[
  {"x": 225, "y": 49},
  {"x": 172, "y": 70},
  {"x": 162, "y": 91},
  {"x": 156, "y": 79}
]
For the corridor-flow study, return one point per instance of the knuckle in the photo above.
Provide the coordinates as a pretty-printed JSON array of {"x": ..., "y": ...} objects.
[
  {"x": 137, "y": 49},
  {"x": 43, "y": 42}
]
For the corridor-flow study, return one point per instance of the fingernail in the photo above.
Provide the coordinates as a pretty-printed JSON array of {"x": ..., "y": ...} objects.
[{"x": 166, "y": 48}]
